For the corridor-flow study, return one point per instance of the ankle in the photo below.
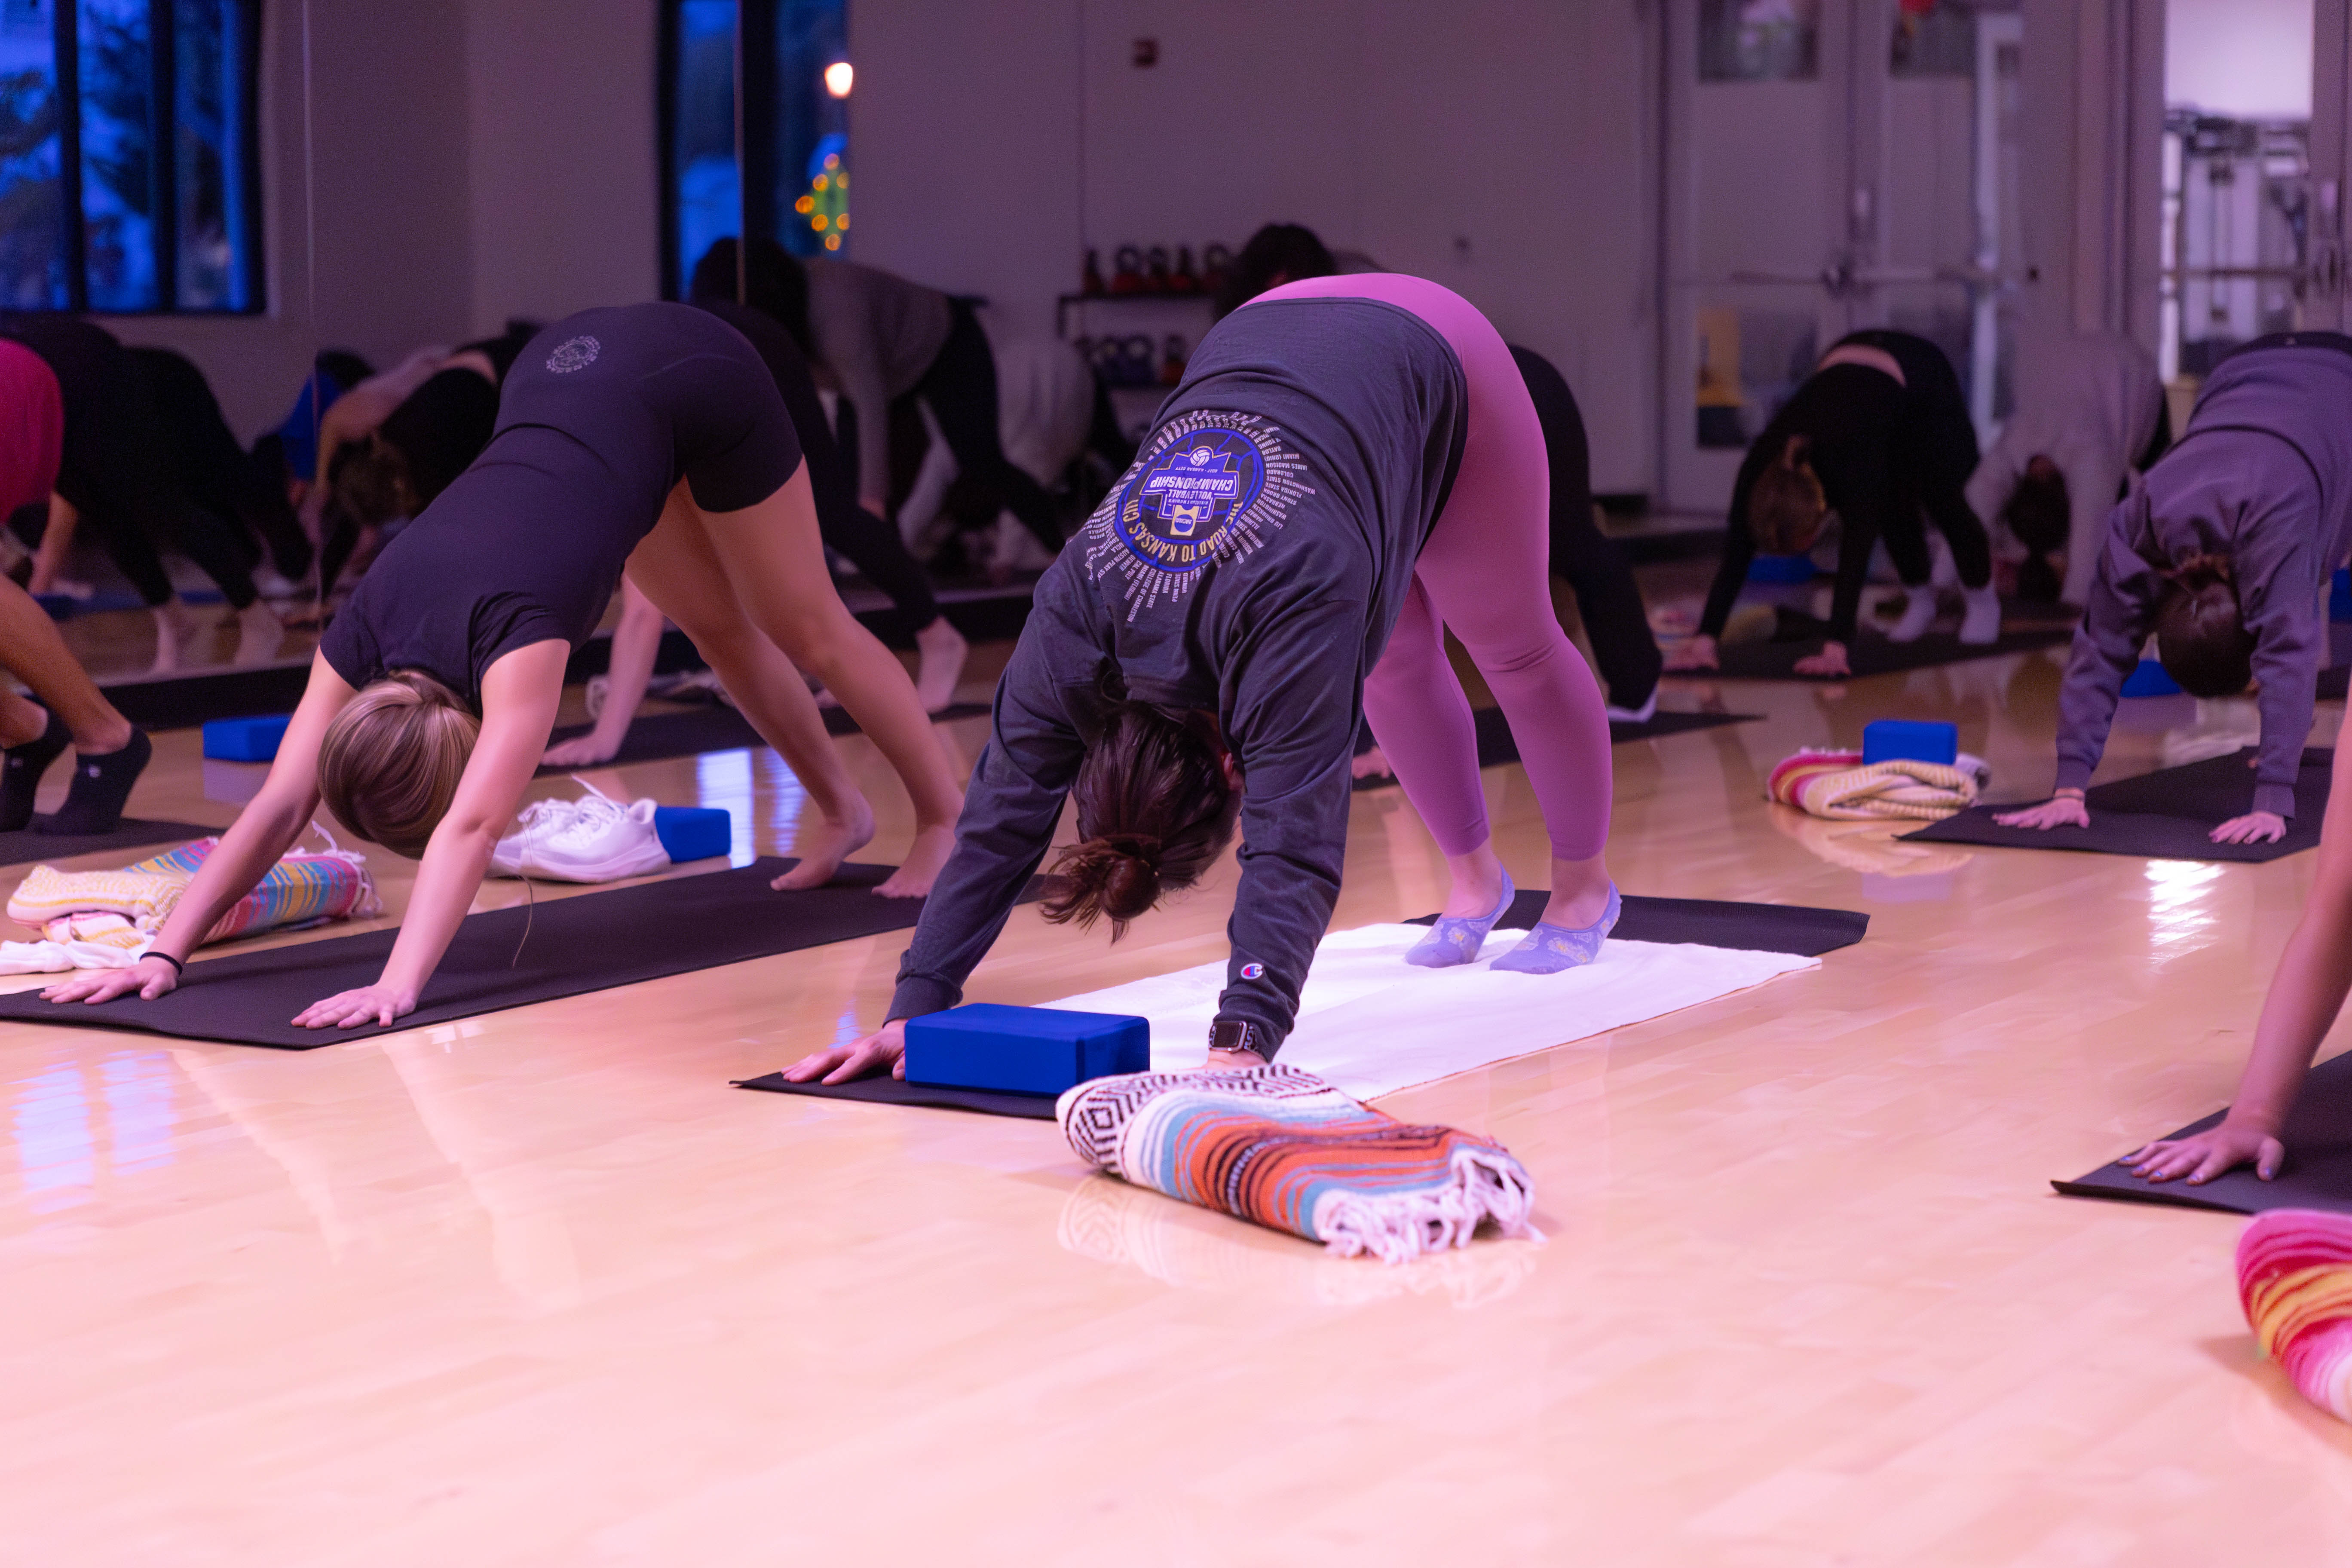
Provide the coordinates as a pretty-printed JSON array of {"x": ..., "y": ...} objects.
[{"x": 103, "y": 739}]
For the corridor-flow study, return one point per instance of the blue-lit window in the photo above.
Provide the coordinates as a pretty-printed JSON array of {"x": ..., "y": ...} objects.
[
  {"x": 794, "y": 127},
  {"x": 127, "y": 173}
]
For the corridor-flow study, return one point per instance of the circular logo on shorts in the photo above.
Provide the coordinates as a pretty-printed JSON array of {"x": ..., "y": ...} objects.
[
  {"x": 1179, "y": 504},
  {"x": 1253, "y": 971},
  {"x": 573, "y": 353}
]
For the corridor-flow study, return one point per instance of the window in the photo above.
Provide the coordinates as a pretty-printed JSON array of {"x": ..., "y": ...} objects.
[
  {"x": 794, "y": 157},
  {"x": 99, "y": 211}
]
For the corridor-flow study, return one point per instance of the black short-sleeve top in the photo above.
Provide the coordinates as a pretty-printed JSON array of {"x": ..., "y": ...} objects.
[{"x": 604, "y": 413}]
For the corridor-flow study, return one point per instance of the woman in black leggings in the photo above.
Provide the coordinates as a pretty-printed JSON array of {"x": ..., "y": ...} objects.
[
  {"x": 1879, "y": 434},
  {"x": 877, "y": 337},
  {"x": 119, "y": 471}
]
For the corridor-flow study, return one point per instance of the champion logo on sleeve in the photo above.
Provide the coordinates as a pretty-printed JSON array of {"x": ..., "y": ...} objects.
[
  {"x": 1252, "y": 971},
  {"x": 1211, "y": 488}
]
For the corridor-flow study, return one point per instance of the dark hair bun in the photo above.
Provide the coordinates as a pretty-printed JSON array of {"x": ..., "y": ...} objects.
[
  {"x": 2202, "y": 637},
  {"x": 1156, "y": 807}
]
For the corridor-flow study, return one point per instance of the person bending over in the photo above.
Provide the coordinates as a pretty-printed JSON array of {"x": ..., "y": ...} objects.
[
  {"x": 390, "y": 444},
  {"x": 1274, "y": 569},
  {"x": 2305, "y": 996},
  {"x": 2224, "y": 552},
  {"x": 118, "y": 470},
  {"x": 1607, "y": 598},
  {"x": 645, "y": 438},
  {"x": 874, "y": 336},
  {"x": 109, "y": 754},
  {"x": 2091, "y": 415},
  {"x": 872, "y": 546},
  {"x": 1880, "y": 434}
]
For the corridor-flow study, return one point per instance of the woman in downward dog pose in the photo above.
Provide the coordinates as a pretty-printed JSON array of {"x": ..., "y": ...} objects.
[
  {"x": 1350, "y": 467},
  {"x": 649, "y": 438},
  {"x": 1880, "y": 435},
  {"x": 2224, "y": 552}
]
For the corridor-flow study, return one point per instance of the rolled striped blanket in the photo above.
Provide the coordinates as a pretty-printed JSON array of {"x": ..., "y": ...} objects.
[
  {"x": 2295, "y": 1280},
  {"x": 1284, "y": 1149},
  {"x": 1840, "y": 786}
]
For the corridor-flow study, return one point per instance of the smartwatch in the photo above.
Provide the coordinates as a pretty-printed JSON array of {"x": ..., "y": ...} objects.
[{"x": 1238, "y": 1035}]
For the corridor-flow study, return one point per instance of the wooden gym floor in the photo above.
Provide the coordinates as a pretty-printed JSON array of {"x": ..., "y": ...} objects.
[{"x": 540, "y": 1288}]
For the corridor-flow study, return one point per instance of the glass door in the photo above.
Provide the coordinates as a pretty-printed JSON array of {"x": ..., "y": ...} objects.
[{"x": 1831, "y": 164}]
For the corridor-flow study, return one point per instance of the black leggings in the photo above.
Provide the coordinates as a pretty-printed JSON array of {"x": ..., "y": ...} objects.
[
  {"x": 1935, "y": 453},
  {"x": 119, "y": 473},
  {"x": 219, "y": 475},
  {"x": 961, "y": 388},
  {"x": 1615, "y": 622}
]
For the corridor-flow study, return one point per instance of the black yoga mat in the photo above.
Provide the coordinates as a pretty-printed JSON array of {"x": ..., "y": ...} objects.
[
  {"x": 24, "y": 845},
  {"x": 589, "y": 942},
  {"x": 1871, "y": 654},
  {"x": 2163, "y": 815},
  {"x": 890, "y": 1091},
  {"x": 1497, "y": 744},
  {"x": 183, "y": 701},
  {"x": 2318, "y": 1174},
  {"x": 715, "y": 728},
  {"x": 1753, "y": 927}
]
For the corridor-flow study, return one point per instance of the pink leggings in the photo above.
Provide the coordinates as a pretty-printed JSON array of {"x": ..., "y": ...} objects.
[{"x": 1485, "y": 573}]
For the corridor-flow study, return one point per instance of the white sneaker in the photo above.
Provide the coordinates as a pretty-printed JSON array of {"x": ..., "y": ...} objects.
[
  {"x": 1981, "y": 623},
  {"x": 538, "y": 820},
  {"x": 602, "y": 841},
  {"x": 1919, "y": 614}
]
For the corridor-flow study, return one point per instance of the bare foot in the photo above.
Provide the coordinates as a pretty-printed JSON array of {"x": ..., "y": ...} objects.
[
  {"x": 1372, "y": 764},
  {"x": 259, "y": 634},
  {"x": 925, "y": 859},
  {"x": 824, "y": 849},
  {"x": 944, "y": 651}
]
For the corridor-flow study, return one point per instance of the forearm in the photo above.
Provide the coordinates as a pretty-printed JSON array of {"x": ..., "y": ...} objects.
[
  {"x": 2313, "y": 976},
  {"x": 447, "y": 881},
  {"x": 637, "y": 642},
  {"x": 253, "y": 844}
]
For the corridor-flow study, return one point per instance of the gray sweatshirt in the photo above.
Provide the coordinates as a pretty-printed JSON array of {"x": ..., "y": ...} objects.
[
  {"x": 1251, "y": 563},
  {"x": 2263, "y": 475},
  {"x": 878, "y": 334},
  {"x": 2090, "y": 403}
]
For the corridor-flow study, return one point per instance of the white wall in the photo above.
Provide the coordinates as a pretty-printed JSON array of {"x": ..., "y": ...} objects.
[
  {"x": 565, "y": 210},
  {"x": 1505, "y": 153}
]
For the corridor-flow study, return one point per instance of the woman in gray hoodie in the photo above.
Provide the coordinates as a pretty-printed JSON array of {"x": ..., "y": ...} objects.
[{"x": 2224, "y": 554}]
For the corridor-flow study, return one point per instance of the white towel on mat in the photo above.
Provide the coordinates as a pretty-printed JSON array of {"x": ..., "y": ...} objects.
[{"x": 1371, "y": 1024}]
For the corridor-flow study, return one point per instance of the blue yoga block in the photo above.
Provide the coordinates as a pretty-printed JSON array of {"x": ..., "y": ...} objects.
[
  {"x": 2150, "y": 679},
  {"x": 1910, "y": 741},
  {"x": 2339, "y": 595},
  {"x": 1781, "y": 569},
  {"x": 1028, "y": 1050},
  {"x": 694, "y": 832},
  {"x": 245, "y": 740}
]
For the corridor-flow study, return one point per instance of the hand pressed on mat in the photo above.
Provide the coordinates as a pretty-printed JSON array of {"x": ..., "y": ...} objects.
[
  {"x": 886, "y": 1047},
  {"x": 2210, "y": 1153},
  {"x": 2064, "y": 809},
  {"x": 150, "y": 977},
  {"x": 2254, "y": 827},
  {"x": 377, "y": 1004}
]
